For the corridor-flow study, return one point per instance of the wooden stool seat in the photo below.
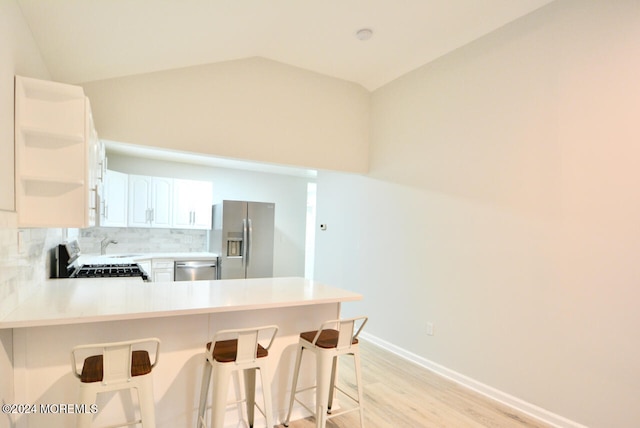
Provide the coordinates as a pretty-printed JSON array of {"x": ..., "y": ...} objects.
[
  {"x": 328, "y": 339},
  {"x": 226, "y": 351}
]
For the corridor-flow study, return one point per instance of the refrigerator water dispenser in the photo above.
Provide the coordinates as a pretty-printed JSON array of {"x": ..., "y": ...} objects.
[{"x": 234, "y": 247}]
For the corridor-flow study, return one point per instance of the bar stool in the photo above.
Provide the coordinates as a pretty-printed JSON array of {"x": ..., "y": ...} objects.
[
  {"x": 333, "y": 339},
  {"x": 116, "y": 366},
  {"x": 229, "y": 351}
]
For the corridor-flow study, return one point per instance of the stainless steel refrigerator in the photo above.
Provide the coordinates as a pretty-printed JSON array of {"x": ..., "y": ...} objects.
[{"x": 242, "y": 234}]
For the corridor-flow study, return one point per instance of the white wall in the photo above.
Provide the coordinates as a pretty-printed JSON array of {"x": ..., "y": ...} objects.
[
  {"x": 289, "y": 193},
  {"x": 500, "y": 203},
  {"x": 18, "y": 55},
  {"x": 253, "y": 109},
  {"x": 502, "y": 206}
]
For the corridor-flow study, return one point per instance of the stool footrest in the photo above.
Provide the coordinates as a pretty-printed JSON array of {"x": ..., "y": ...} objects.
[
  {"x": 229, "y": 403},
  {"x": 354, "y": 399},
  {"x": 307, "y": 408},
  {"x": 341, "y": 412},
  {"x": 305, "y": 389}
]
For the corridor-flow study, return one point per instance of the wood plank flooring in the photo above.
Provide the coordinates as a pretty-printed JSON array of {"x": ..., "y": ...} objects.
[{"x": 399, "y": 393}]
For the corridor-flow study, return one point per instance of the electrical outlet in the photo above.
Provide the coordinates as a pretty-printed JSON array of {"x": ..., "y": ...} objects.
[{"x": 430, "y": 329}]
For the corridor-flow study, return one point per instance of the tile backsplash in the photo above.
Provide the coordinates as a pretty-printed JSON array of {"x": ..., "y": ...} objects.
[
  {"x": 142, "y": 240},
  {"x": 24, "y": 267}
]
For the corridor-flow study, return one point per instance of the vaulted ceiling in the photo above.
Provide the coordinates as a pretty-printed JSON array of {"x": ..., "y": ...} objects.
[{"x": 87, "y": 40}]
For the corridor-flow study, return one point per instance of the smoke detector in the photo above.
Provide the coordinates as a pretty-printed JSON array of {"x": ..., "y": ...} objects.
[{"x": 364, "y": 34}]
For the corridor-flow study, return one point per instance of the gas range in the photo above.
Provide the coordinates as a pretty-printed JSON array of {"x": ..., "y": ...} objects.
[
  {"x": 109, "y": 271},
  {"x": 66, "y": 266}
]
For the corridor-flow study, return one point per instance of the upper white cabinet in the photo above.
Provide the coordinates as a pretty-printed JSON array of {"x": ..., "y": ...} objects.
[
  {"x": 96, "y": 161},
  {"x": 150, "y": 201},
  {"x": 192, "y": 204},
  {"x": 143, "y": 201},
  {"x": 116, "y": 191},
  {"x": 56, "y": 181}
]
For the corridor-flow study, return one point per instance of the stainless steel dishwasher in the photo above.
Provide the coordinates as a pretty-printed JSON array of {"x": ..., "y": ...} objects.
[{"x": 195, "y": 270}]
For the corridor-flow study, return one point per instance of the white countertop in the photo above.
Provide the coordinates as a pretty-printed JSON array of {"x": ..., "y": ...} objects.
[
  {"x": 125, "y": 258},
  {"x": 73, "y": 301}
]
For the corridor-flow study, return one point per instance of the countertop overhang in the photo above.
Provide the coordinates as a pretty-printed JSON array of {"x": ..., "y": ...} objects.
[{"x": 75, "y": 301}]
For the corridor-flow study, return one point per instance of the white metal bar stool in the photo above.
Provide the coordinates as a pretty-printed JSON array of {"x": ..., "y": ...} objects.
[
  {"x": 116, "y": 366},
  {"x": 333, "y": 339},
  {"x": 232, "y": 350}
]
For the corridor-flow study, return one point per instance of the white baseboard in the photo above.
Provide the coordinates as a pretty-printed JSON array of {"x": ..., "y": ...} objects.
[{"x": 479, "y": 387}]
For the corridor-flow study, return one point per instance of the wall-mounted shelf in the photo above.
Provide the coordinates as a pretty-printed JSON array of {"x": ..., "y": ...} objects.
[
  {"x": 49, "y": 140},
  {"x": 55, "y": 155},
  {"x": 49, "y": 187}
]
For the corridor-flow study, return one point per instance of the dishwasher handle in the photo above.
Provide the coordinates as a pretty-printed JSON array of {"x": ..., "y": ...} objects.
[{"x": 195, "y": 265}]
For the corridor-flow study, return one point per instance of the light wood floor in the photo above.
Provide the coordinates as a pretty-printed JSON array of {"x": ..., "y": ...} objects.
[{"x": 399, "y": 393}]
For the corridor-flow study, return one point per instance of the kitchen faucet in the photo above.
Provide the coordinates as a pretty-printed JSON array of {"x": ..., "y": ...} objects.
[{"x": 105, "y": 243}]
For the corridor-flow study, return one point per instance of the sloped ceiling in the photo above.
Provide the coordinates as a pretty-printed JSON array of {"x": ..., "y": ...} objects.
[{"x": 87, "y": 40}]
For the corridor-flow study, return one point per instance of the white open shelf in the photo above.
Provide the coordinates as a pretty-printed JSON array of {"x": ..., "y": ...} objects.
[{"x": 52, "y": 162}]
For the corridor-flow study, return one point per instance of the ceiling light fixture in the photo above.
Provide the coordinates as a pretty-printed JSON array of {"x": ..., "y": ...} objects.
[{"x": 364, "y": 34}]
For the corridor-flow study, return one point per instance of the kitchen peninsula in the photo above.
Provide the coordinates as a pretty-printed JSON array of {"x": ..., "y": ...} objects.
[{"x": 68, "y": 312}]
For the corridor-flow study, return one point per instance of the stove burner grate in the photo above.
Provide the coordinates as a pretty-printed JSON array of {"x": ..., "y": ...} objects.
[{"x": 110, "y": 271}]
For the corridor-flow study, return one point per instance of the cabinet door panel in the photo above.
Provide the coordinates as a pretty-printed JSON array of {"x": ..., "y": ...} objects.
[
  {"x": 139, "y": 194},
  {"x": 164, "y": 275},
  {"x": 192, "y": 204},
  {"x": 202, "y": 200},
  {"x": 116, "y": 199},
  {"x": 182, "y": 209},
  {"x": 161, "y": 201}
]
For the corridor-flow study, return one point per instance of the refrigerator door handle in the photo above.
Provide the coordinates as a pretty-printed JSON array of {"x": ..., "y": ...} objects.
[
  {"x": 250, "y": 242},
  {"x": 245, "y": 238}
]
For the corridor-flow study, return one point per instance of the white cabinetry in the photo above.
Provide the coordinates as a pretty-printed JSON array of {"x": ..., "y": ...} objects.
[
  {"x": 162, "y": 270},
  {"x": 192, "y": 204},
  {"x": 158, "y": 270},
  {"x": 116, "y": 190},
  {"x": 96, "y": 161},
  {"x": 55, "y": 179},
  {"x": 150, "y": 201}
]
